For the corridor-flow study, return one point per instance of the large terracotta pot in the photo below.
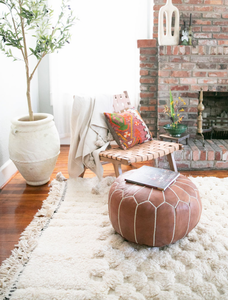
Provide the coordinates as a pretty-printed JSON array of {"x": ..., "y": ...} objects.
[{"x": 34, "y": 147}]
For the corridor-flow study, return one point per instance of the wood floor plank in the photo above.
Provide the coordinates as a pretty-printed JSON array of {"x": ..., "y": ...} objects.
[
  {"x": 19, "y": 202},
  {"x": 5, "y": 249}
]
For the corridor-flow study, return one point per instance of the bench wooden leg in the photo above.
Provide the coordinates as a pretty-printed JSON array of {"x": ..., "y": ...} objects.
[
  {"x": 83, "y": 173},
  {"x": 117, "y": 168},
  {"x": 172, "y": 162}
]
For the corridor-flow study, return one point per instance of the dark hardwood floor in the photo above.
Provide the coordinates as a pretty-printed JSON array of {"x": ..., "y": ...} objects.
[{"x": 19, "y": 201}]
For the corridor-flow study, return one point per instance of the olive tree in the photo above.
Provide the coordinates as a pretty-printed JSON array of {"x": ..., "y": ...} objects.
[{"x": 29, "y": 28}]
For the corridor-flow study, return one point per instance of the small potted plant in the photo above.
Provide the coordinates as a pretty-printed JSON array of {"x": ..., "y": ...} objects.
[
  {"x": 27, "y": 30},
  {"x": 174, "y": 112}
]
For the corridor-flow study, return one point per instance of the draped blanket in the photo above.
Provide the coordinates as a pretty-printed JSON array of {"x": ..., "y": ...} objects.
[{"x": 89, "y": 133}]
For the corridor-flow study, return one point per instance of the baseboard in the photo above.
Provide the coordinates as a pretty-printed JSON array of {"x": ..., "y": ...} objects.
[
  {"x": 65, "y": 140},
  {"x": 6, "y": 172}
]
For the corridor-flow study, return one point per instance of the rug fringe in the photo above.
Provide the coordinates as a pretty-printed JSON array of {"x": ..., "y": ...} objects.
[{"x": 28, "y": 241}]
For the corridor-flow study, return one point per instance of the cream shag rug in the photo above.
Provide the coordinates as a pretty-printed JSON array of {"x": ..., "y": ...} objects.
[{"x": 78, "y": 256}]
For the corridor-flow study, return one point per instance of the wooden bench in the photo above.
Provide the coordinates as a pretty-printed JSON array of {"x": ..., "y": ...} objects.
[{"x": 141, "y": 152}]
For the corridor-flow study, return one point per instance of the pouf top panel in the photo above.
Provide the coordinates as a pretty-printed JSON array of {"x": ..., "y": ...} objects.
[{"x": 152, "y": 217}]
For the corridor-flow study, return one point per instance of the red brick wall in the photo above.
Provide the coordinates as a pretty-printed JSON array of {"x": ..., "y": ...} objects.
[
  {"x": 209, "y": 19},
  {"x": 185, "y": 69},
  {"x": 149, "y": 82}
]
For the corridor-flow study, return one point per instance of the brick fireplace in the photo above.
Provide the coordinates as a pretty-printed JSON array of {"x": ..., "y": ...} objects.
[{"x": 186, "y": 69}]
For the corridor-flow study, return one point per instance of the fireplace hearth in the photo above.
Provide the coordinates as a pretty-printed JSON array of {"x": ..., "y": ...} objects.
[{"x": 214, "y": 155}]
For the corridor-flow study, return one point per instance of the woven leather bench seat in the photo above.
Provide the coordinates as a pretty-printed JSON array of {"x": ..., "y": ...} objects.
[{"x": 141, "y": 152}]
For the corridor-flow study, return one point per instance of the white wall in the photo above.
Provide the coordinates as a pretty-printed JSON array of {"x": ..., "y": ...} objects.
[
  {"x": 13, "y": 88},
  {"x": 12, "y": 103},
  {"x": 45, "y": 105},
  {"x": 102, "y": 56}
]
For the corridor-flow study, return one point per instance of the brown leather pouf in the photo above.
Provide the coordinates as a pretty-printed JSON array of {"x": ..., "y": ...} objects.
[{"x": 152, "y": 217}]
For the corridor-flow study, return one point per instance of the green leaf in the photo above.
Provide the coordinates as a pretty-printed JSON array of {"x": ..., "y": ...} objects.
[
  {"x": 38, "y": 23},
  {"x": 171, "y": 105}
]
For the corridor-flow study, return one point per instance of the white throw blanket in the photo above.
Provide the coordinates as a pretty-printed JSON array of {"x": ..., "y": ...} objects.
[{"x": 89, "y": 133}]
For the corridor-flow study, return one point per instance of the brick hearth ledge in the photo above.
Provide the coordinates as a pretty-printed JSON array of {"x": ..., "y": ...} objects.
[{"x": 194, "y": 156}]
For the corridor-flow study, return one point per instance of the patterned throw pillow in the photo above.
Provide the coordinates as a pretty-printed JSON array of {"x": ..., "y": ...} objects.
[{"x": 128, "y": 128}]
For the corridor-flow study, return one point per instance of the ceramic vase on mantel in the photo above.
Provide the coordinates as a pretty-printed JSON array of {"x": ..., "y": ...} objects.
[
  {"x": 176, "y": 130},
  {"x": 34, "y": 147},
  {"x": 165, "y": 37}
]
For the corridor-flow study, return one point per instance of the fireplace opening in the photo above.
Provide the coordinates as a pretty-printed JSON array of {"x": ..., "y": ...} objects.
[{"x": 215, "y": 115}]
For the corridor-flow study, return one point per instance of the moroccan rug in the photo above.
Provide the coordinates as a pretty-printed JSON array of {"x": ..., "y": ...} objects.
[{"x": 70, "y": 251}]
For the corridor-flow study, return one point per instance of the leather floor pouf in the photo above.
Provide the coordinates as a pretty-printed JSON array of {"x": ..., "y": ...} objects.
[{"x": 152, "y": 217}]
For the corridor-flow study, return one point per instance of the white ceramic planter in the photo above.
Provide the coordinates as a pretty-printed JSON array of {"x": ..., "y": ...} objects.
[{"x": 34, "y": 147}]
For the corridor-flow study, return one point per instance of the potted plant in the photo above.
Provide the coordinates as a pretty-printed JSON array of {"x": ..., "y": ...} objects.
[
  {"x": 27, "y": 30},
  {"x": 174, "y": 112}
]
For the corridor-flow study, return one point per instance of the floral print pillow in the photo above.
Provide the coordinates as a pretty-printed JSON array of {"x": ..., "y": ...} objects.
[{"x": 128, "y": 128}]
